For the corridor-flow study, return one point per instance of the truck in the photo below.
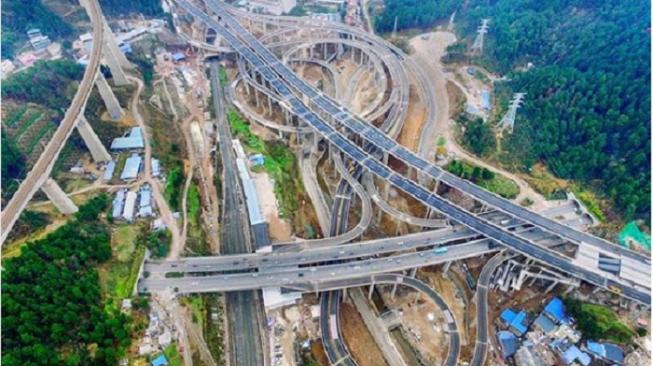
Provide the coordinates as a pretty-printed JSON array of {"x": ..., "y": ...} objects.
[{"x": 440, "y": 251}]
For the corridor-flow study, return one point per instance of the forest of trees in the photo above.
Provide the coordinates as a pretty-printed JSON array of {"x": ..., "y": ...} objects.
[
  {"x": 413, "y": 13},
  {"x": 49, "y": 83},
  {"x": 13, "y": 166},
  {"x": 52, "y": 307},
  {"x": 20, "y": 15},
  {"x": 122, "y": 7},
  {"x": 587, "y": 110}
]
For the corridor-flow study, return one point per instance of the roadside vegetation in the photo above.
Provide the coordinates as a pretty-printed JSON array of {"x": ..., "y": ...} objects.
[
  {"x": 196, "y": 243},
  {"x": 598, "y": 322},
  {"x": 485, "y": 178},
  {"x": 157, "y": 241},
  {"x": 280, "y": 163}
]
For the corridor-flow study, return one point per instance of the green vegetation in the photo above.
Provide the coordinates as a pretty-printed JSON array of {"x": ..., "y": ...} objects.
[
  {"x": 587, "y": 113},
  {"x": 224, "y": 78},
  {"x": 213, "y": 330},
  {"x": 28, "y": 223},
  {"x": 485, "y": 178},
  {"x": 280, "y": 163},
  {"x": 14, "y": 116},
  {"x": 37, "y": 83},
  {"x": 478, "y": 136},
  {"x": 13, "y": 166},
  {"x": 598, "y": 322},
  {"x": 590, "y": 201},
  {"x": 37, "y": 137},
  {"x": 145, "y": 65},
  {"x": 18, "y": 16},
  {"x": 196, "y": 243},
  {"x": 173, "y": 356},
  {"x": 174, "y": 183},
  {"x": 121, "y": 7},
  {"x": 413, "y": 13},
  {"x": 52, "y": 308},
  {"x": 33, "y": 117},
  {"x": 158, "y": 242}
]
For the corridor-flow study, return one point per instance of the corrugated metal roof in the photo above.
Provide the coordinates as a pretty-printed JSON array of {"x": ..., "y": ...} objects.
[
  {"x": 108, "y": 171},
  {"x": 130, "y": 203},
  {"x": 132, "y": 141},
  {"x": 118, "y": 202},
  {"x": 132, "y": 167},
  {"x": 556, "y": 310}
]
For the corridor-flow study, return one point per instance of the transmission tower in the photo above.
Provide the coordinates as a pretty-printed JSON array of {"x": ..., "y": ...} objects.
[
  {"x": 508, "y": 120},
  {"x": 477, "y": 47}
]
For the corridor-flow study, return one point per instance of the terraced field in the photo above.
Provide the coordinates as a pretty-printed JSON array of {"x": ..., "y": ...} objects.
[{"x": 30, "y": 125}]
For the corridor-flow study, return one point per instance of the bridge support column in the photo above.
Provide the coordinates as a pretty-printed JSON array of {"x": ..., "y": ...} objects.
[
  {"x": 93, "y": 143},
  {"x": 569, "y": 289},
  {"x": 112, "y": 44},
  {"x": 269, "y": 105},
  {"x": 551, "y": 287},
  {"x": 257, "y": 98},
  {"x": 445, "y": 272},
  {"x": 58, "y": 197},
  {"x": 413, "y": 272},
  {"x": 394, "y": 290},
  {"x": 118, "y": 74},
  {"x": 110, "y": 100},
  {"x": 370, "y": 292}
]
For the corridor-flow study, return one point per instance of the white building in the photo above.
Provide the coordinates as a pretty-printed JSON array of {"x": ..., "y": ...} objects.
[
  {"x": 130, "y": 204},
  {"x": 275, "y": 7}
]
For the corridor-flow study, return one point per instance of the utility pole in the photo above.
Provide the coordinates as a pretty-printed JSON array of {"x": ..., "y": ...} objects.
[
  {"x": 394, "y": 29},
  {"x": 508, "y": 120},
  {"x": 477, "y": 46}
]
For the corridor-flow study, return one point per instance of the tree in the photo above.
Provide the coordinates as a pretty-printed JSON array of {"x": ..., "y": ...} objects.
[{"x": 479, "y": 137}]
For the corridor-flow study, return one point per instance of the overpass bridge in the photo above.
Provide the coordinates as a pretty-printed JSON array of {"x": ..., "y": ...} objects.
[
  {"x": 335, "y": 123},
  {"x": 104, "y": 46}
]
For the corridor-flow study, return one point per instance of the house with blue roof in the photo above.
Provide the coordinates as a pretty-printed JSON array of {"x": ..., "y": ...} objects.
[
  {"x": 516, "y": 321},
  {"x": 555, "y": 309},
  {"x": 160, "y": 361},
  {"x": 606, "y": 351},
  {"x": 546, "y": 325},
  {"x": 574, "y": 354},
  {"x": 508, "y": 342}
]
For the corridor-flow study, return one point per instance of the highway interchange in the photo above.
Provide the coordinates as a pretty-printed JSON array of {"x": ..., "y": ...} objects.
[{"x": 283, "y": 80}]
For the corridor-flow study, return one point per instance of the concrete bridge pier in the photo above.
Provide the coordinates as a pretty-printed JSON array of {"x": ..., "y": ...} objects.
[
  {"x": 370, "y": 292},
  {"x": 93, "y": 143},
  {"x": 445, "y": 272},
  {"x": 413, "y": 272},
  {"x": 117, "y": 72},
  {"x": 269, "y": 105},
  {"x": 110, "y": 100},
  {"x": 551, "y": 287},
  {"x": 112, "y": 45},
  {"x": 257, "y": 98},
  {"x": 58, "y": 197}
]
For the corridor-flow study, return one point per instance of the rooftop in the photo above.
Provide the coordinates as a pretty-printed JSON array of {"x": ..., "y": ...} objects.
[
  {"x": 556, "y": 310},
  {"x": 160, "y": 361},
  {"x": 132, "y": 167},
  {"x": 516, "y": 321},
  {"x": 574, "y": 354},
  {"x": 545, "y": 324},
  {"x": 508, "y": 343}
]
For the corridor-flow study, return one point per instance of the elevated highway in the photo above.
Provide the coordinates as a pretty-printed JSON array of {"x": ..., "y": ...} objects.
[
  {"x": 41, "y": 170},
  {"x": 312, "y": 106}
]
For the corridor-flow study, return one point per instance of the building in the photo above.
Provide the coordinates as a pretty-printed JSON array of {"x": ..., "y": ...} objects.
[
  {"x": 258, "y": 224},
  {"x": 574, "y": 354},
  {"x": 145, "y": 202},
  {"x": 606, "y": 351},
  {"x": 118, "y": 203},
  {"x": 485, "y": 100},
  {"x": 108, "y": 170},
  {"x": 38, "y": 41},
  {"x": 131, "y": 141},
  {"x": 274, "y": 7},
  {"x": 7, "y": 68},
  {"x": 555, "y": 309},
  {"x": 257, "y": 159},
  {"x": 160, "y": 360},
  {"x": 508, "y": 343},
  {"x": 178, "y": 57},
  {"x": 132, "y": 168},
  {"x": 156, "y": 168},
  {"x": 546, "y": 325},
  {"x": 526, "y": 356},
  {"x": 130, "y": 203},
  {"x": 515, "y": 321}
]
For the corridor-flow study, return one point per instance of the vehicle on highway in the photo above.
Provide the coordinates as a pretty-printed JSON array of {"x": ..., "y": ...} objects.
[{"x": 440, "y": 251}]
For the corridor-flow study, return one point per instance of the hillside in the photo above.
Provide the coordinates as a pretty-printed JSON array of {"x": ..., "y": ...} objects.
[{"x": 587, "y": 111}]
